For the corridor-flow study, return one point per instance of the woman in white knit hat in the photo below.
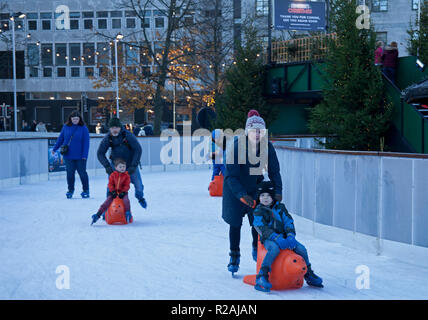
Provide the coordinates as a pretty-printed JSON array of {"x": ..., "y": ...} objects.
[{"x": 241, "y": 179}]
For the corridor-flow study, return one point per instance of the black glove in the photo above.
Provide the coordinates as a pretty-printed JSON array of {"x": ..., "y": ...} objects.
[
  {"x": 113, "y": 194},
  {"x": 109, "y": 170},
  {"x": 248, "y": 200},
  {"x": 122, "y": 194},
  {"x": 131, "y": 169}
]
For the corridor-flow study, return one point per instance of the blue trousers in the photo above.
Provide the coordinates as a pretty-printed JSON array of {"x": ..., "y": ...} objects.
[
  {"x": 71, "y": 167},
  {"x": 137, "y": 182},
  {"x": 273, "y": 251}
]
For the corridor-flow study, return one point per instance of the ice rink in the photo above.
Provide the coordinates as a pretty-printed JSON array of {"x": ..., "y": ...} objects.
[{"x": 176, "y": 249}]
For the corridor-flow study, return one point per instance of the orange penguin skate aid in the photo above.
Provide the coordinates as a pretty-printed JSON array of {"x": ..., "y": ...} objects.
[
  {"x": 116, "y": 212},
  {"x": 287, "y": 271}
]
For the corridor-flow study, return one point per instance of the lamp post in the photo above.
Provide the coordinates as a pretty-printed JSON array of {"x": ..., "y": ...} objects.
[
  {"x": 116, "y": 40},
  {"x": 15, "y": 102}
]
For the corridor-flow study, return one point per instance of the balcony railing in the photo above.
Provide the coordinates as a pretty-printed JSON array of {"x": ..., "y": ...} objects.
[{"x": 301, "y": 49}]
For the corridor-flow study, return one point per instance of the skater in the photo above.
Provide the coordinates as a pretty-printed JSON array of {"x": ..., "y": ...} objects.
[
  {"x": 218, "y": 154},
  {"x": 118, "y": 186},
  {"x": 239, "y": 188},
  {"x": 74, "y": 140},
  {"x": 123, "y": 145},
  {"x": 276, "y": 229}
]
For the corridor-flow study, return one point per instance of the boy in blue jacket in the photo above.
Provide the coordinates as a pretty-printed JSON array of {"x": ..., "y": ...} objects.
[{"x": 276, "y": 229}]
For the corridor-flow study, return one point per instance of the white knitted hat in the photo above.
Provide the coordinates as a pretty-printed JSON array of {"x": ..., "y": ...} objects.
[{"x": 254, "y": 121}]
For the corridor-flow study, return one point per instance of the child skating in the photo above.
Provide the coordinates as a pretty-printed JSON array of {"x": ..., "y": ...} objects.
[
  {"x": 276, "y": 229},
  {"x": 118, "y": 186}
]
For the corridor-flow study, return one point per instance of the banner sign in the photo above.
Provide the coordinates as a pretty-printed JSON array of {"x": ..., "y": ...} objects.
[
  {"x": 299, "y": 15},
  {"x": 56, "y": 162}
]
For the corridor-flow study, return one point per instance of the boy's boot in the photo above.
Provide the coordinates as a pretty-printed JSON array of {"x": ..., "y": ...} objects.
[
  {"x": 85, "y": 194},
  {"x": 233, "y": 265},
  {"x": 262, "y": 280},
  {"x": 312, "y": 279},
  {"x": 95, "y": 218},
  {"x": 129, "y": 217}
]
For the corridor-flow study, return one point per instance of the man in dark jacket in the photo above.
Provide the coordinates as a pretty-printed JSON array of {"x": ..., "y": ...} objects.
[
  {"x": 390, "y": 61},
  {"x": 124, "y": 145},
  {"x": 240, "y": 187}
]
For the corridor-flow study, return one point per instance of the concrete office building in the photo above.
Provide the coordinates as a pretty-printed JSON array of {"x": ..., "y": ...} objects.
[{"x": 54, "y": 64}]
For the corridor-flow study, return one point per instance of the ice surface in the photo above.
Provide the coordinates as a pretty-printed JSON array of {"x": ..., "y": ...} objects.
[{"x": 176, "y": 249}]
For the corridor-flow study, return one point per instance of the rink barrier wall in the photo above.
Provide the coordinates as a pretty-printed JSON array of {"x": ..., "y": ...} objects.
[
  {"x": 375, "y": 200},
  {"x": 25, "y": 160}
]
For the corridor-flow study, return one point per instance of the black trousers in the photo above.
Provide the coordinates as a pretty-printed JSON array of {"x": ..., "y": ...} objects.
[{"x": 235, "y": 234}]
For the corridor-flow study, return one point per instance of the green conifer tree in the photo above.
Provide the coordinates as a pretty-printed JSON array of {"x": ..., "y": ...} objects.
[{"x": 353, "y": 114}]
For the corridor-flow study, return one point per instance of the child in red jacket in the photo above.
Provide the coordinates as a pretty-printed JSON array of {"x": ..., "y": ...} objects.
[{"x": 118, "y": 186}]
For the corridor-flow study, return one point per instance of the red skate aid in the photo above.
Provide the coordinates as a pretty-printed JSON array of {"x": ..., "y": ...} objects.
[
  {"x": 116, "y": 212},
  {"x": 216, "y": 186},
  {"x": 287, "y": 271}
]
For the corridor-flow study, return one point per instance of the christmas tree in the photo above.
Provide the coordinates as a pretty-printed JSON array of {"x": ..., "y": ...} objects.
[
  {"x": 353, "y": 114},
  {"x": 244, "y": 86}
]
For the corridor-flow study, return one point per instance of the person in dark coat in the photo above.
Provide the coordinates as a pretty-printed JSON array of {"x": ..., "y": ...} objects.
[
  {"x": 240, "y": 183},
  {"x": 390, "y": 61},
  {"x": 33, "y": 125},
  {"x": 75, "y": 135},
  {"x": 124, "y": 145}
]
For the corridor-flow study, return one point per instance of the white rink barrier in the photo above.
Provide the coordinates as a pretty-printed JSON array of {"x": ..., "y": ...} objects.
[
  {"x": 25, "y": 159},
  {"x": 378, "y": 201}
]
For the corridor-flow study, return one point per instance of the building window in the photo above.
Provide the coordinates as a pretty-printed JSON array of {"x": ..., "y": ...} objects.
[
  {"x": 89, "y": 72},
  {"x": 74, "y": 24},
  {"x": 103, "y": 53},
  {"x": 47, "y": 72},
  {"x": 382, "y": 36},
  {"x": 33, "y": 54},
  {"x": 102, "y": 23},
  {"x": 60, "y": 54},
  {"x": 415, "y": 4},
  {"x": 32, "y": 25},
  {"x": 87, "y": 14},
  {"x": 145, "y": 23},
  {"x": 262, "y": 8},
  {"x": 159, "y": 22},
  {"x": 47, "y": 54},
  {"x": 61, "y": 72},
  {"x": 379, "y": 5},
  {"x": 88, "y": 24},
  {"x": 116, "y": 23},
  {"x": 130, "y": 23},
  {"x": 89, "y": 54},
  {"x": 116, "y": 14},
  {"x": 102, "y": 14},
  {"x": 34, "y": 72},
  {"x": 74, "y": 49},
  {"x": 131, "y": 55},
  {"x": 130, "y": 14},
  {"x": 75, "y": 72},
  {"x": 46, "y": 20},
  {"x": 46, "y": 24}
]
